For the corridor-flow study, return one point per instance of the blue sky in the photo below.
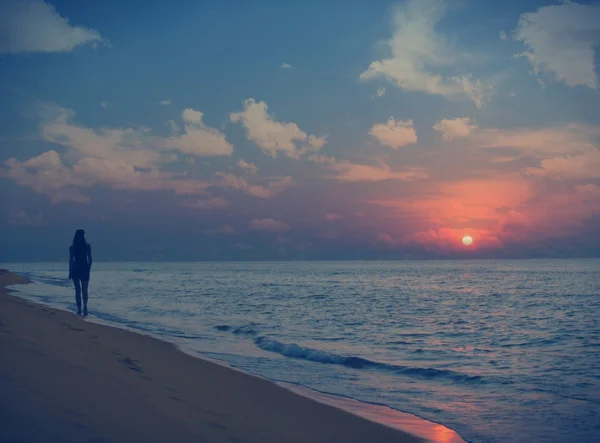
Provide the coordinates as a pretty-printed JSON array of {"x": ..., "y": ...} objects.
[{"x": 300, "y": 130}]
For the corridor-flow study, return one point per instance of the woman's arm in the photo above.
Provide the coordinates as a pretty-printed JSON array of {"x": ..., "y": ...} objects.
[
  {"x": 70, "y": 261},
  {"x": 89, "y": 256}
]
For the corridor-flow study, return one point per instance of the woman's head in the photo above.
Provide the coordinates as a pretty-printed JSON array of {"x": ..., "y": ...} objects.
[{"x": 79, "y": 238}]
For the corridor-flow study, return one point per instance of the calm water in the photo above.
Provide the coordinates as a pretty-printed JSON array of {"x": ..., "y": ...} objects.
[{"x": 497, "y": 350}]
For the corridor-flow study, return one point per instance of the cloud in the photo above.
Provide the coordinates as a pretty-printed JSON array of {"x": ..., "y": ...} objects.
[
  {"x": 248, "y": 167},
  {"x": 272, "y": 136},
  {"x": 544, "y": 142},
  {"x": 165, "y": 102},
  {"x": 561, "y": 41},
  {"x": 190, "y": 115},
  {"x": 453, "y": 128},
  {"x": 132, "y": 159},
  {"x": 198, "y": 139},
  {"x": 129, "y": 145},
  {"x": 35, "y": 26},
  {"x": 268, "y": 224},
  {"x": 48, "y": 175},
  {"x": 104, "y": 104},
  {"x": 315, "y": 143},
  {"x": 271, "y": 189},
  {"x": 395, "y": 134},
  {"x": 286, "y": 66},
  {"x": 419, "y": 56},
  {"x": 136, "y": 147},
  {"x": 503, "y": 35},
  {"x": 346, "y": 171},
  {"x": 128, "y": 159},
  {"x": 380, "y": 93},
  {"x": 585, "y": 165},
  {"x": 547, "y": 142},
  {"x": 386, "y": 239}
]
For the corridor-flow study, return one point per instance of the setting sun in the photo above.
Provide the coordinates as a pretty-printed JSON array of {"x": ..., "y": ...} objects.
[{"x": 467, "y": 240}]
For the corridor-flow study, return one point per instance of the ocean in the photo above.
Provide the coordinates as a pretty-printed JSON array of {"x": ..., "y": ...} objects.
[{"x": 498, "y": 350}]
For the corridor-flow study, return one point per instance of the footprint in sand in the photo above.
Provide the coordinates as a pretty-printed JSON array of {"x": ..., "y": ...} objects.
[{"x": 133, "y": 365}]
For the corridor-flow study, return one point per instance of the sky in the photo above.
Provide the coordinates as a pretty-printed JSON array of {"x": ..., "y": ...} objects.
[{"x": 300, "y": 130}]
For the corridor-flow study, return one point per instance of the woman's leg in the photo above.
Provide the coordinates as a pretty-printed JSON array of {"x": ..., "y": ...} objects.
[
  {"x": 84, "y": 285},
  {"x": 77, "y": 284}
]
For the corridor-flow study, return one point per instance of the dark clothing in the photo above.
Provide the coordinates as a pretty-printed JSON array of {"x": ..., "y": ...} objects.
[{"x": 80, "y": 265}]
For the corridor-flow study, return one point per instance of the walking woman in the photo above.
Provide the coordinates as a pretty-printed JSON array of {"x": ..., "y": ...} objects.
[{"x": 80, "y": 264}]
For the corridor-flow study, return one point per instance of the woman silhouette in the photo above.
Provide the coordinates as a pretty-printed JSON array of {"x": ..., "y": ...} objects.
[{"x": 80, "y": 264}]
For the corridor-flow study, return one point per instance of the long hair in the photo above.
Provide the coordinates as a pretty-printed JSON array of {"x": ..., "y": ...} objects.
[{"x": 79, "y": 242}]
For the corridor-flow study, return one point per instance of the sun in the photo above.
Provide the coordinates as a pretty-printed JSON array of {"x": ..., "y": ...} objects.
[{"x": 467, "y": 240}]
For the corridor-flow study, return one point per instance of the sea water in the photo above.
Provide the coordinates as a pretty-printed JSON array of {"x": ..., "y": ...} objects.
[{"x": 496, "y": 350}]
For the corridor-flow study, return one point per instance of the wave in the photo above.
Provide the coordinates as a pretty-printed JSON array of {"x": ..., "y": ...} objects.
[
  {"x": 295, "y": 351},
  {"x": 302, "y": 353},
  {"x": 249, "y": 330},
  {"x": 53, "y": 281}
]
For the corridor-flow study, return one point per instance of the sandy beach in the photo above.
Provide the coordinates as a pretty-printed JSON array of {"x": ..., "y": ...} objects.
[{"x": 63, "y": 379}]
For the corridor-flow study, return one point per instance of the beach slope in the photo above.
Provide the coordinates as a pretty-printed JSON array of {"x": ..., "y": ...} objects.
[{"x": 63, "y": 379}]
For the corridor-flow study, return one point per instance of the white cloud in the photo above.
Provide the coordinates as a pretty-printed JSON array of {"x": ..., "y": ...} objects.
[
  {"x": 561, "y": 40},
  {"x": 248, "y": 167},
  {"x": 419, "y": 55},
  {"x": 268, "y": 224},
  {"x": 272, "y": 136},
  {"x": 503, "y": 35},
  {"x": 198, "y": 139},
  {"x": 119, "y": 159},
  {"x": 48, "y": 175},
  {"x": 190, "y": 115},
  {"x": 395, "y": 134},
  {"x": 35, "y": 26},
  {"x": 128, "y": 145},
  {"x": 165, "y": 102},
  {"x": 316, "y": 143},
  {"x": 286, "y": 66},
  {"x": 104, "y": 104},
  {"x": 135, "y": 146},
  {"x": 453, "y": 128}
]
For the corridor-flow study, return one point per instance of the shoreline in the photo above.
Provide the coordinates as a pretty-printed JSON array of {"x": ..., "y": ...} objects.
[{"x": 340, "y": 413}]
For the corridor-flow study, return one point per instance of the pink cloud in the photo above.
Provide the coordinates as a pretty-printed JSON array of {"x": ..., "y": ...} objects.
[
  {"x": 582, "y": 166},
  {"x": 352, "y": 172}
]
